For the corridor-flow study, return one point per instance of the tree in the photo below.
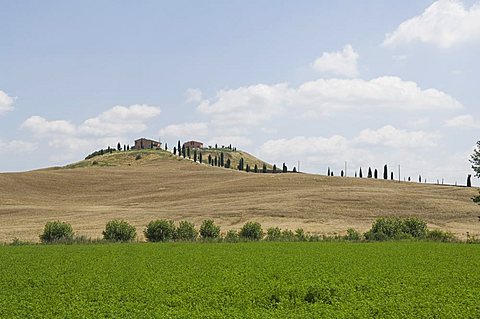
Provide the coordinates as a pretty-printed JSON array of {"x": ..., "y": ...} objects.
[
  {"x": 174, "y": 150},
  {"x": 216, "y": 146},
  {"x": 255, "y": 169},
  {"x": 209, "y": 159},
  {"x": 274, "y": 168},
  {"x": 341, "y": 173},
  {"x": 188, "y": 152},
  {"x": 355, "y": 174},
  {"x": 184, "y": 153},
  {"x": 240, "y": 164},
  {"x": 228, "y": 163},
  {"x": 391, "y": 176},
  {"x": 475, "y": 160},
  {"x": 124, "y": 147},
  {"x": 57, "y": 231},
  {"x": 385, "y": 172},
  {"x": 179, "y": 147},
  {"x": 375, "y": 174},
  {"x": 215, "y": 161},
  {"x": 284, "y": 168},
  {"x": 469, "y": 180},
  {"x": 195, "y": 155},
  {"x": 200, "y": 158},
  {"x": 166, "y": 147},
  {"x": 251, "y": 231},
  {"x": 294, "y": 169},
  {"x": 264, "y": 168},
  {"x": 419, "y": 178},
  {"x": 222, "y": 159},
  {"x": 369, "y": 173},
  {"x": 119, "y": 230},
  {"x": 209, "y": 230},
  {"x": 160, "y": 230},
  {"x": 360, "y": 174},
  {"x": 247, "y": 168},
  {"x": 328, "y": 172}
]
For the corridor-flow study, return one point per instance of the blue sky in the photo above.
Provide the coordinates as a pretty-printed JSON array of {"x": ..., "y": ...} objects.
[{"x": 369, "y": 82}]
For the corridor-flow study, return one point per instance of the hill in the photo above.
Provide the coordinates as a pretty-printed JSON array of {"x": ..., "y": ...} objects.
[{"x": 161, "y": 185}]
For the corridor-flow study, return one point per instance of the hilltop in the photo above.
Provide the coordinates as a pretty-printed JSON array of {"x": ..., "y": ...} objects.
[{"x": 161, "y": 185}]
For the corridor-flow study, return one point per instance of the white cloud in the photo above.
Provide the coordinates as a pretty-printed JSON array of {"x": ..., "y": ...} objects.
[
  {"x": 189, "y": 130},
  {"x": 193, "y": 95},
  {"x": 462, "y": 121},
  {"x": 445, "y": 23},
  {"x": 252, "y": 105},
  {"x": 342, "y": 63},
  {"x": 39, "y": 125},
  {"x": 120, "y": 120},
  {"x": 393, "y": 137},
  {"x": 6, "y": 102},
  {"x": 17, "y": 146}
]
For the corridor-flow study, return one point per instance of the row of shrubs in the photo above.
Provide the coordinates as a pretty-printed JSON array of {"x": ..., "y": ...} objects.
[{"x": 162, "y": 230}]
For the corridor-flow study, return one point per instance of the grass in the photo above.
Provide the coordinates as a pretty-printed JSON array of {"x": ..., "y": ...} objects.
[
  {"x": 160, "y": 185},
  {"x": 246, "y": 280}
]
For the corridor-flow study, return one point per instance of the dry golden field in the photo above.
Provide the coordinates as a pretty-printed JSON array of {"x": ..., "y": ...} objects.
[{"x": 163, "y": 186}]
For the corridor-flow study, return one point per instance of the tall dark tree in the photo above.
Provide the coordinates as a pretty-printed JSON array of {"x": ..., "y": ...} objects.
[
  {"x": 341, "y": 173},
  {"x": 174, "y": 150},
  {"x": 369, "y": 173},
  {"x": 247, "y": 168},
  {"x": 409, "y": 179},
  {"x": 200, "y": 157},
  {"x": 274, "y": 168},
  {"x": 355, "y": 174},
  {"x": 179, "y": 147},
  {"x": 124, "y": 147},
  {"x": 284, "y": 168},
  {"x": 101, "y": 151},
  {"x": 166, "y": 147},
  {"x": 209, "y": 159},
  {"x": 119, "y": 147},
  {"x": 328, "y": 172},
  {"x": 385, "y": 172},
  {"x": 216, "y": 146},
  {"x": 331, "y": 173},
  {"x": 188, "y": 152},
  {"x": 475, "y": 160},
  {"x": 228, "y": 163},
  {"x": 255, "y": 169},
  {"x": 128, "y": 147},
  {"x": 240, "y": 164},
  {"x": 419, "y": 178},
  {"x": 391, "y": 176},
  {"x": 375, "y": 174},
  {"x": 215, "y": 161},
  {"x": 222, "y": 159},
  {"x": 294, "y": 169},
  {"x": 360, "y": 174},
  {"x": 195, "y": 155},
  {"x": 184, "y": 152},
  {"x": 264, "y": 168},
  {"x": 469, "y": 180}
]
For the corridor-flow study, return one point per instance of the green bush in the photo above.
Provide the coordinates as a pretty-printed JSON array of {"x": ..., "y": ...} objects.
[
  {"x": 288, "y": 235},
  {"x": 353, "y": 235},
  {"x": 251, "y": 231},
  {"x": 231, "y": 236},
  {"x": 186, "y": 231},
  {"x": 300, "y": 235},
  {"x": 57, "y": 231},
  {"x": 440, "y": 235},
  {"x": 209, "y": 230},
  {"x": 160, "y": 230},
  {"x": 119, "y": 230},
  {"x": 273, "y": 234},
  {"x": 395, "y": 228}
]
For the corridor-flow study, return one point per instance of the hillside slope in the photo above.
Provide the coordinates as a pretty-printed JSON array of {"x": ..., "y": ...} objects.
[{"x": 173, "y": 188}]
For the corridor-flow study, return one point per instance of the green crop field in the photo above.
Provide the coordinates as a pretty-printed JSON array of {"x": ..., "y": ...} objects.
[{"x": 242, "y": 280}]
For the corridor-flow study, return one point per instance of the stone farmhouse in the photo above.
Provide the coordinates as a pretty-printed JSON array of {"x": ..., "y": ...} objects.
[
  {"x": 144, "y": 143},
  {"x": 193, "y": 144}
]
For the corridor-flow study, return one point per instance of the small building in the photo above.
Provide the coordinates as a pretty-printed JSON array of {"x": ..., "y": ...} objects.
[
  {"x": 144, "y": 143},
  {"x": 193, "y": 144}
]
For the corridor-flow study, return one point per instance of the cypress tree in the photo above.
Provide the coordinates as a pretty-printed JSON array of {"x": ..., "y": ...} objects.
[
  {"x": 166, "y": 147},
  {"x": 174, "y": 150},
  {"x": 128, "y": 147},
  {"x": 391, "y": 176},
  {"x": 360, "y": 173},
  {"x": 255, "y": 168},
  {"x": 294, "y": 169},
  {"x": 248, "y": 168},
  {"x": 179, "y": 147},
  {"x": 215, "y": 161},
  {"x": 419, "y": 178},
  {"x": 101, "y": 151},
  {"x": 385, "y": 172},
  {"x": 469, "y": 180},
  {"x": 274, "y": 168},
  {"x": 209, "y": 159},
  {"x": 200, "y": 158},
  {"x": 376, "y": 173},
  {"x": 195, "y": 155},
  {"x": 184, "y": 153},
  {"x": 222, "y": 159},
  {"x": 328, "y": 172},
  {"x": 188, "y": 152},
  {"x": 284, "y": 168},
  {"x": 355, "y": 174},
  {"x": 331, "y": 173},
  {"x": 216, "y": 146},
  {"x": 409, "y": 179},
  {"x": 228, "y": 163},
  {"x": 369, "y": 173},
  {"x": 264, "y": 168},
  {"x": 341, "y": 173},
  {"x": 119, "y": 147}
]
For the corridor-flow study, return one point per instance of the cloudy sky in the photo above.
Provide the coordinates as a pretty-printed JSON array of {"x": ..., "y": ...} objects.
[{"x": 321, "y": 82}]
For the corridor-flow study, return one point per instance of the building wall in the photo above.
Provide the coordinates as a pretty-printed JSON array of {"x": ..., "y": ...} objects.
[
  {"x": 146, "y": 144},
  {"x": 193, "y": 144}
]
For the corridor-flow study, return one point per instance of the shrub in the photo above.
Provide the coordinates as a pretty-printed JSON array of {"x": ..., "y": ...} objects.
[
  {"x": 288, "y": 235},
  {"x": 138, "y": 157},
  {"x": 300, "y": 234},
  {"x": 186, "y": 231},
  {"x": 231, "y": 236},
  {"x": 209, "y": 230},
  {"x": 439, "y": 235},
  {"x": 274, "y": 233},
  {"x": 353, "y": 235},
  {"x": 160, "y": 230},
  {"x": 251, "y": 231},
  {"x": 56, "y": 231},
  {"x": 119, "y": 230},
  {"x": 415, "y": 227}
]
